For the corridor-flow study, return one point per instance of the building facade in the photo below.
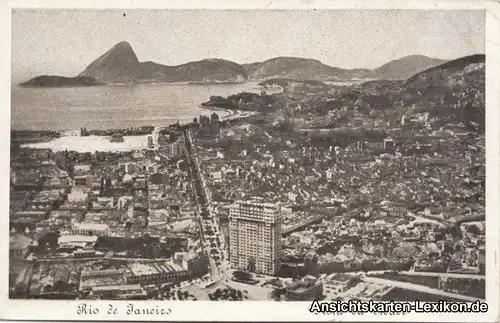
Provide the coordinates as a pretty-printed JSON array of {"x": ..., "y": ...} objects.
[
  {"x": 88, "y": 229},
  {"x": 255, "y": 236},
  {"x": 154, "y": 273}
]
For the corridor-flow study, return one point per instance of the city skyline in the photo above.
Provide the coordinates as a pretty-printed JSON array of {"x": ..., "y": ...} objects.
[{"x": 331, "y": 40}]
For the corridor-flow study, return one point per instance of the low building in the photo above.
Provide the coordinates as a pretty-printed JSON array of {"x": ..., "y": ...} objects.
[
  {"x": 76, "y": 241},
  {"x": 337, "y": 284},
  {"x": 115, "y": 290},
  {"x": 97, "y": 229},
  {"x": 154, "y": 273},
  {"x": 31, "y": 215},
  {"x": 90, "y": 274},
  {"x": 83, "y": 253},
  {"x": 90, "y": 279}
]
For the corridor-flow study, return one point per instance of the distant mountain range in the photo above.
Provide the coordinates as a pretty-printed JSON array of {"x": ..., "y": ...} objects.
[{"x": 120, "y": 65}]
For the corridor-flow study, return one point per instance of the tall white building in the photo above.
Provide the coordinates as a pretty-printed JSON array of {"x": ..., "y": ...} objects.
[{"x": 255, "y": 236}]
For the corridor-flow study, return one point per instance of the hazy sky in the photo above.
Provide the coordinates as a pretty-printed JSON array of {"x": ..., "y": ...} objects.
[{"x": 64, "y": 42}]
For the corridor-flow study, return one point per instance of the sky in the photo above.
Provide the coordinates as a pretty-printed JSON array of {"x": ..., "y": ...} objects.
[{"x": 63, "y": 42}]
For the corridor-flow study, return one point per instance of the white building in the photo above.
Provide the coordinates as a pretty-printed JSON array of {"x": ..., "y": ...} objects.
[
  {"x": 255, "y": 236},
  {"x": 97, "y": 229},
  {"x": 76, "y": 241}
]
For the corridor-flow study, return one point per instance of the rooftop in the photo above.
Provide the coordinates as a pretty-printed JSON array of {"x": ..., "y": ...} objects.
[
  {"x": 92, "y": 273},
  {"x": 90, "y": 226},
  {"x": 117, "y": 287},
  {"x": 142, "y": 269},
  {"x": 153, "y": 269},
  {"x": 76, "y": 238}
]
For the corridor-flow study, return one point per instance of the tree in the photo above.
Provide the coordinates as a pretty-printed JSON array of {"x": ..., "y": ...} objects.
[
  {"x": 276, "y": 293},
  {"x": 474, "y": 229},
  {"x": 242, "y": 275},
  {"x": 251, "y": 264}
]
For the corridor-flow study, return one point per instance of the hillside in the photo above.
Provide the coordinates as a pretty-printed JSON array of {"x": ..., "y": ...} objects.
[
  {"x": 294, "y": 85},
  {"x": 452, "y": 92},
  {"x": 406, "y": 67},
  {"x": 60, "y": 81},
  {"x": 310, "y": 69},
  {"x": 120, "y": 65},
  {"x": 462, "y": 67},
  {"x": 294, "y": 68},
  {"x": 116, "y": 65}
]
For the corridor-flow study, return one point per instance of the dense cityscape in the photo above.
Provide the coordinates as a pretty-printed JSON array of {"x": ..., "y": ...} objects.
[{"x": 299, "y": 192}]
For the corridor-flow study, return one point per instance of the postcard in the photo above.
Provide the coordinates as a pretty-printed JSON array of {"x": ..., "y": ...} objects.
[{"x": 250, "y": 161}]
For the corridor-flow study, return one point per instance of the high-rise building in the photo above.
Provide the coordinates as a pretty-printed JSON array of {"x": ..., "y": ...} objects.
[
  {"x": 172, "y": 150},
  {"x": 181, "y": 143},
  {"x": 215, "y": 124},
  {"x": 204, "y": 123},
  {"x": 255, "y": 236}
]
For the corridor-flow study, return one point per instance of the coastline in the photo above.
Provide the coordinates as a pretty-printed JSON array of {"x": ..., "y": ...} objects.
[
  {"x": 70, "y": 140},
  {"x": 229, "y": 112},
  {"x": 22, "y": 84}
]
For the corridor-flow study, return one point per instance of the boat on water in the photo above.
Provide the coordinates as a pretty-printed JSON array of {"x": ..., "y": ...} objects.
[{"x": 116, "y": 138}]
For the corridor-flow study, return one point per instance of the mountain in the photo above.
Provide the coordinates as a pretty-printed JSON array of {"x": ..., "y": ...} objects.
[
  {"x": 403, "y": 68},
  {"x": 294, "y": 68},
  {"x": 469, "y": 69},
  {"x": 120, "y": 65},
  {"x": 60, "y": 81},
  {"x": 457, "y": 86},
  {"x": 310, "y": 69},
  {"x": 115, "y": 65}
]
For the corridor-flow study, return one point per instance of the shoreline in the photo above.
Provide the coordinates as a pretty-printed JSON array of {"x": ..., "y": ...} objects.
[
  {"x": 133, "y": 84},
  {"x": 232, "y": 114},
  {"x": 229, "y": 112},
  {"x": 38, "y": 139},
  {"x": 39, "y": 136}
]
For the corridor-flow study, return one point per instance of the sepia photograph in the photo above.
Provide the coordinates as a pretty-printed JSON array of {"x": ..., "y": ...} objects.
[{"x": 240, "y": 155}]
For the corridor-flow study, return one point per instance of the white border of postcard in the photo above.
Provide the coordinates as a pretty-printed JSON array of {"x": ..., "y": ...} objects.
[{"x": 31, "y": 310}]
